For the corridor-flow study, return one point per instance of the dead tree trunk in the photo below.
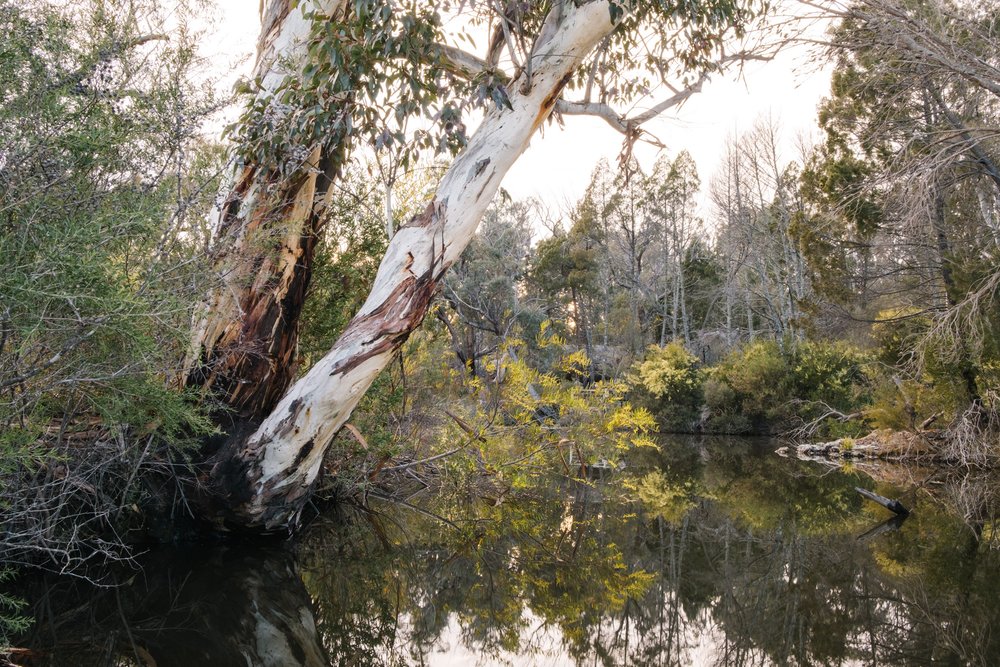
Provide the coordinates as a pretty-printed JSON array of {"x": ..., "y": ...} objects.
[{"x": 265, "y": 477}]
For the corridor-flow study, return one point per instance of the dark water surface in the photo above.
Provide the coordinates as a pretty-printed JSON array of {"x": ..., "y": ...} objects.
[{"x": 711, "y": 552}]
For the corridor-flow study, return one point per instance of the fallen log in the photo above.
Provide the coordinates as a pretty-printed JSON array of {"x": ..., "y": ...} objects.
[{"x": 888, "y": 503}]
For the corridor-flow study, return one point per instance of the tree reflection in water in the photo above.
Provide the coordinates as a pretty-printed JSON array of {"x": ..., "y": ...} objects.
[
  {"x": 707, "y": 554},
  {"x": 186, "y": 607}
]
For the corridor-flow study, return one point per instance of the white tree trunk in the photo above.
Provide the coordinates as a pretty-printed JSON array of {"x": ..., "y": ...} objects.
[{"x": 266, "y": 477}]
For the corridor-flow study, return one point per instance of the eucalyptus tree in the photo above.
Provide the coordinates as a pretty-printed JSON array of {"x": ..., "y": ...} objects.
[
  {"x": 349, "y": 61},
  {"x": 327, "y": 74}
]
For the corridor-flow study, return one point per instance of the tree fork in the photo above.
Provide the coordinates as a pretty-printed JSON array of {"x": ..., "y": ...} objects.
[{"x": 265, "y": 479}]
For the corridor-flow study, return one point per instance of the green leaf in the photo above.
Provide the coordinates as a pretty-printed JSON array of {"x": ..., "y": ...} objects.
[{"x": 500, "y": 98}]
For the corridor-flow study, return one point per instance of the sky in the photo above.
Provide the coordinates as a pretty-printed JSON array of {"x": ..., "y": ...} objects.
[{"x": 557, "y": 165}]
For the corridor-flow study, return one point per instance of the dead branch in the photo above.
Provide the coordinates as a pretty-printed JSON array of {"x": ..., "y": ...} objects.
[{"x": 888, "y": 503}]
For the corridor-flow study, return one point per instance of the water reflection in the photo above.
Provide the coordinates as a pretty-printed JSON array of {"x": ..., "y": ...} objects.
[
  {"x": 708, "y": 553},
  {"x": 186, "y": 607}
]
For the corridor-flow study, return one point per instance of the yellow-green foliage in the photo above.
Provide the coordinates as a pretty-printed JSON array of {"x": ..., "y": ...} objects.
[
  {"x": 670, "y": 373},
  {"x": 596, "y": 419},
  {"x": 663, "y": 498},
  {"x": 669, "y": 380},
  {"x": 521, "y": 419},
  {"x": 745, "y": 391},
  {"x": 906, "y": 404},
  {"x": 547, "y": 336},
  {"x": 830, "y": 372},
  {"x": 757, "y": 372}
]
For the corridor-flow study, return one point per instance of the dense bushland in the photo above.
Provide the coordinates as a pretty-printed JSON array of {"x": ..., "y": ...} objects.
[
  {"x": 759, "y": 388},
  {"x": 105, "y": 179}
]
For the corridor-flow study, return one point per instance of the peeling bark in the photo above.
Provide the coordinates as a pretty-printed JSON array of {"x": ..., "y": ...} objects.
[
  {"x": 264, "y": 237},
  {"x": 265, "y": 479},
  {"x": 247, "y": 339}
]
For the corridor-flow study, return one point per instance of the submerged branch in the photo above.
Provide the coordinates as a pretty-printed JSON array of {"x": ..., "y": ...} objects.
[{"x": 888, "y": 503}]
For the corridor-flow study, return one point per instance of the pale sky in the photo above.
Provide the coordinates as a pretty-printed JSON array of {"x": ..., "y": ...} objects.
[{"x": 557, "y": 165}]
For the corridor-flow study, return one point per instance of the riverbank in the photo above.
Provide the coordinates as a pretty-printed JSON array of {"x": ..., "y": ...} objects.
[{"x": 930, "y": 446}]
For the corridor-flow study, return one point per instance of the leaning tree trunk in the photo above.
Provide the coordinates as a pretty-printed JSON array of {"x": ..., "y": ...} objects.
[
  {"x": 264, "y": 237},
  {"x": 265, "y": 478}
]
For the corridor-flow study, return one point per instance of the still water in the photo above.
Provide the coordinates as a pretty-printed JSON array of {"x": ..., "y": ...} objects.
[{"x": 709, "y": 552}]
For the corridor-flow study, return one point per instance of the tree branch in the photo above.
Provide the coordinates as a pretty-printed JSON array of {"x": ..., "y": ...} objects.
[
  {"x": 622, "y": 123},
  {"x": 459, "y": 62},
  {"x": 677, "y": 99},
  {"x": 67, "y": 347}
]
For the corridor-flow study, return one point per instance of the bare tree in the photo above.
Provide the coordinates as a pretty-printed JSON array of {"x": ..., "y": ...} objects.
[{"x": 756, "y": 200}]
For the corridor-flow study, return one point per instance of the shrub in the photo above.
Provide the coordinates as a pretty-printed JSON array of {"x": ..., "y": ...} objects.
[
  {"x": 722, "y": 412},
  {"x": 748, "y": 389},
  {"x": 762, "y": 388},
  {"x": 102, "y": 173},
  {"x": 669, "y": 382},
  {"x": 830, "y": 373},
  {"x": 906, "y": 404},
  {"x": 11, "y": 620}
]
